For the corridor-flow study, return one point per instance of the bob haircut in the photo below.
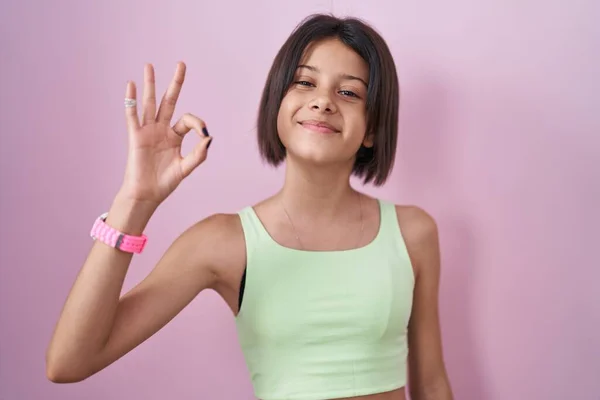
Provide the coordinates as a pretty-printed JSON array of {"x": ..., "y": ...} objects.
[{"x": 372, "y": 164}]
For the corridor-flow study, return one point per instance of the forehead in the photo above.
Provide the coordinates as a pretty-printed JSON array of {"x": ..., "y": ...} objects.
[{"x": 333, "y": 56}]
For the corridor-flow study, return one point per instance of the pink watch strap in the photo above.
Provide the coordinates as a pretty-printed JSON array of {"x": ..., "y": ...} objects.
[{"x": 114, "y": 238}]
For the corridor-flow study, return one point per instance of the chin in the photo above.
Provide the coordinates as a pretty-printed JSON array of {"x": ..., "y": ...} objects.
[
  {"x": 312, "y": 156},
  {"x": 306, "y": 146}
]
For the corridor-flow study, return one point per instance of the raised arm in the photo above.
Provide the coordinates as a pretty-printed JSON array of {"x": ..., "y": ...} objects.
[{"x": 97, "y": 326}]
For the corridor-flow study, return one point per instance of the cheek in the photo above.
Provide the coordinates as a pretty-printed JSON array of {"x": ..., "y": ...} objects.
[
  {"x": 285, "y": 116},
  {"x": 281, "y": 118},
  {"x": 357, "y": 120}
]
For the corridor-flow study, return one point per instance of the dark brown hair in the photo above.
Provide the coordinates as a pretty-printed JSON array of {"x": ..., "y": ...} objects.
[{"x": 372, "y": 164}]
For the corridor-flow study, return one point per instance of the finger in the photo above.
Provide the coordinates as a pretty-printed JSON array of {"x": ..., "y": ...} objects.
[
  {"x": 185, "y": 124},
  {"x": 169, "y": 100},
  {"x": 149, "y": 102},
  {"x": 188, "y": 122},
  {"x": 196, "y": 157},
  {"x": 131, "y": 115}
]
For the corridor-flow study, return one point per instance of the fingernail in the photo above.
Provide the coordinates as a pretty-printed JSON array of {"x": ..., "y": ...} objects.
[
  {"x": 209, "y": 143},
  {"x": 205, "y": 131}
]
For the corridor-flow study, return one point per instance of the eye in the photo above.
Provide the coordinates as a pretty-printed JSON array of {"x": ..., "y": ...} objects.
[
  {"x": 348, "y": 93},
  {"x": 303, "y": 83}
]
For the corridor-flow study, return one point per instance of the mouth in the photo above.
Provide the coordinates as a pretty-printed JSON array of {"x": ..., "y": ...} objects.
[{"x": 319, "y": 126}]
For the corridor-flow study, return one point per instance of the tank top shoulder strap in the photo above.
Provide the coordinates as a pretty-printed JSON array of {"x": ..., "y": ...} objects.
[
  {"x": 254, "y": 231},
  {"x": 390, "y": 230},
  {"x": 389, "y": 218}
]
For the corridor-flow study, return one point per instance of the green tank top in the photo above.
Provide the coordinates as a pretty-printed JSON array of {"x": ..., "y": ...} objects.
[{"x": 325, "y": 324}]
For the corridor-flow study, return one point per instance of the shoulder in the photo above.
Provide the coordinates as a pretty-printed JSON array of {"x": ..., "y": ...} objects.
[
  {"x": 216, "y": 241},
  {"x": 416, "y": 223},
  {"x": 420, "y": 233},
  {"x": 220, "y": 226},
  {"x": 214, "y": 229}
]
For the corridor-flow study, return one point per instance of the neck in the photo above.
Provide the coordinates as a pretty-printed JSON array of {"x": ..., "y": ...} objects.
[{"x": 317, "y": 191}]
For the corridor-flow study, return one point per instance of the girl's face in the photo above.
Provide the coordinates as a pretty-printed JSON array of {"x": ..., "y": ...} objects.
[{"x": 322, "y": 118}]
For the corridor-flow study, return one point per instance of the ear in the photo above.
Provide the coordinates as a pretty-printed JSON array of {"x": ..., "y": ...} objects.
[{"x": 369, "y": 141}]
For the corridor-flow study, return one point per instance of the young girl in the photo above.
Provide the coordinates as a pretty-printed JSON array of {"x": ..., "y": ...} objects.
[{"x": 334, "y": 293}]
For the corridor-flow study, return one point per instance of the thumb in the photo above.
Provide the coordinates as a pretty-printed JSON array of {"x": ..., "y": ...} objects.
[{"x": 195, "y": 157}]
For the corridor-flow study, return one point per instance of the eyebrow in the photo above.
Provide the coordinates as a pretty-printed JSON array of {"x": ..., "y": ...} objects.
[{"x": 343, "y": 76}]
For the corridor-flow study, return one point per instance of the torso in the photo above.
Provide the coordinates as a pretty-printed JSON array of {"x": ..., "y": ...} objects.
[
  {"x": 233, "y": 266},
  {"x": 232, "y": 269}
]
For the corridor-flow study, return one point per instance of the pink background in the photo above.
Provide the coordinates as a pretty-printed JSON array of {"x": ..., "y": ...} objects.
[{"x": 499, "y": 140}]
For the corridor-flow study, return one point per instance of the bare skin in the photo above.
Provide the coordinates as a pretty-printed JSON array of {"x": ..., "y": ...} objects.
[{"x": 98, "y": 326}]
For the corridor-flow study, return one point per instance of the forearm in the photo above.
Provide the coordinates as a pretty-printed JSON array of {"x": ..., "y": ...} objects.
[{"x": 89, "y": 311}]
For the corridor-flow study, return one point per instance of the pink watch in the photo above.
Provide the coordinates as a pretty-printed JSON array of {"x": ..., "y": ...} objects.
[{"x": 116, "y": 239}]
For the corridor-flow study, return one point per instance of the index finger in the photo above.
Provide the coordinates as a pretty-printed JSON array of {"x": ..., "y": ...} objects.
[{"x": 169, "y": 100}]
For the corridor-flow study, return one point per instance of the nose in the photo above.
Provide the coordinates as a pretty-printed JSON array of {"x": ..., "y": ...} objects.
[{"x": 322, "y": 103}]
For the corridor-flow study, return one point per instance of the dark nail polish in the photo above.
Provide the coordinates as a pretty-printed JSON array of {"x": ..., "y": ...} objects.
[
  {"x": 209, "y": 143},
  {"x": 205, "y": 131}
]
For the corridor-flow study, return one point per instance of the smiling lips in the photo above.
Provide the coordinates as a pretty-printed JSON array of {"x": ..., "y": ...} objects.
[{"x": 318, "y": 126}]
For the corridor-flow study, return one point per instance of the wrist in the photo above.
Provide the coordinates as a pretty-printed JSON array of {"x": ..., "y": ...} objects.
[{"x": 130, "y": 216}]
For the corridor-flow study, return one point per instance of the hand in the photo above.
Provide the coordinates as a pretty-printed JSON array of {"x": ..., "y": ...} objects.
[{"x": 155, "y": 166}]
